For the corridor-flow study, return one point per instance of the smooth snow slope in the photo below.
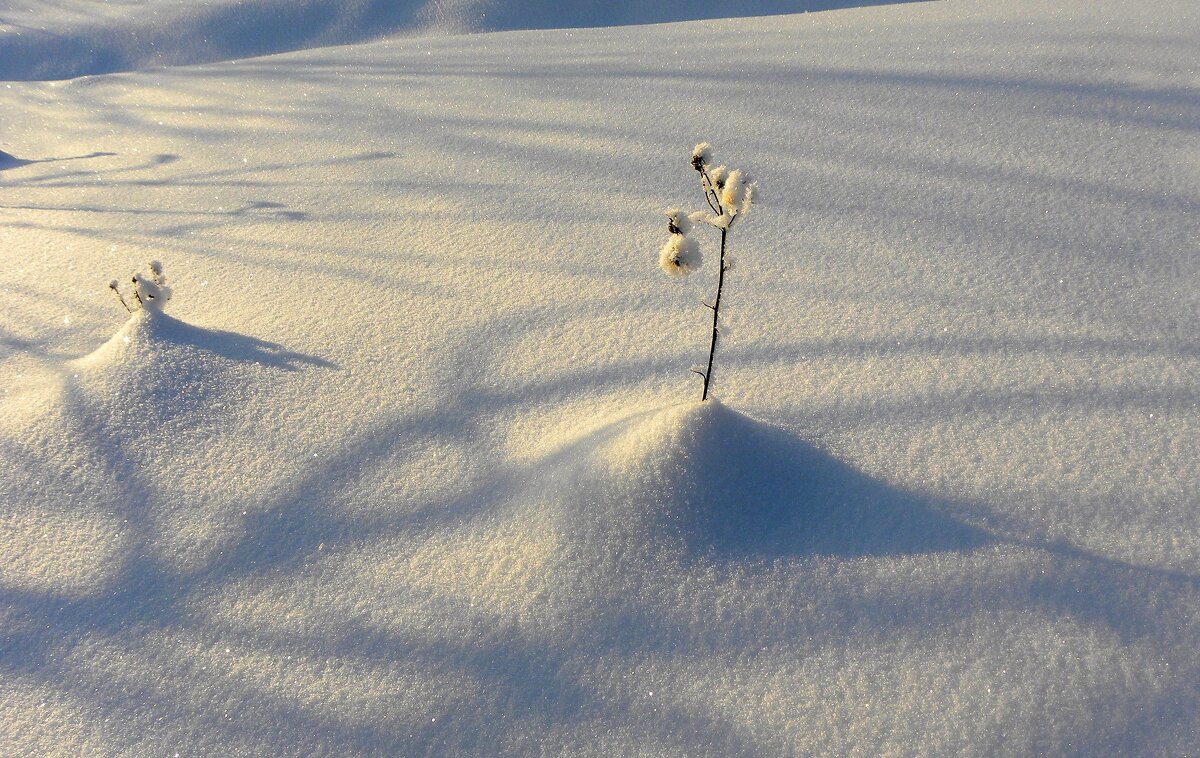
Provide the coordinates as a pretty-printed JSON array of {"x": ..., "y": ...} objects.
[
  {"x": 66, "y": 39},
  {"x": 412, "y": 463}
]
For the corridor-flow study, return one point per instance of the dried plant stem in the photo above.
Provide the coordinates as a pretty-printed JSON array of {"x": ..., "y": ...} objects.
[
  {"x": 716, "y": 309},
  {"x": 113, "y": 286}
]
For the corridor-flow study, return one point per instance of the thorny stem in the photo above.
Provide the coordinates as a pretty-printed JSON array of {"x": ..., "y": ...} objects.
[{"x": 716, "y": 307}]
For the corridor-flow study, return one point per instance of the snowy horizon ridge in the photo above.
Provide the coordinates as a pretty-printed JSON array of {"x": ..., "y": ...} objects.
[
  {"x": 345, "y": 409},
  {"x": 81, "y": 39}
]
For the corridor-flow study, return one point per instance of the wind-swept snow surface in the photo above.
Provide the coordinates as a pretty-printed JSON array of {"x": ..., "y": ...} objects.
[{"x": 412, "y": 463}]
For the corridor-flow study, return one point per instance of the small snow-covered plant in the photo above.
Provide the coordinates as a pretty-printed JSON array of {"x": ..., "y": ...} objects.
[
  {"x": 149, "y": 292},
  {"x": 728, "y": 195}
]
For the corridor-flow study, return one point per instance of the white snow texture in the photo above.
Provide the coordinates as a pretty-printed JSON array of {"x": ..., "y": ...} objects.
[{"x": 412, "y": 464}]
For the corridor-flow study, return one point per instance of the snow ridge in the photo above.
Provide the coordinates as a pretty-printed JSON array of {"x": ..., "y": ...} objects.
[{"x": 218, "y": 30}]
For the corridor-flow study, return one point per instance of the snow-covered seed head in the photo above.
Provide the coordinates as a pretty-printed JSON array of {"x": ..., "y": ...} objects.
[
  {"x": 678, "y": 221},
  {"x": 717, "y": 177},
  {"x": 146, "y": 288},
  {"x": 701, "y": 156},
  {"x": 116, "y": 291},
  {"x": 151, "y": 292},
  {"x": 747, "y": 199},
  {"x": 680, "y": 256},
  {"x": 734, "y": 190}
]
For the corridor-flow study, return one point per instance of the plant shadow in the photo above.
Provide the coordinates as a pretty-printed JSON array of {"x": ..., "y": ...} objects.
[
  {"x": 234, "y": 346},
  {"x": 11, "y": 161}
]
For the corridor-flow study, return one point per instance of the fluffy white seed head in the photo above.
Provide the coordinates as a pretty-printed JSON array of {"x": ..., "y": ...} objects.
[
  {"x": 747, "y": 199},
  {"x": 151, "y": 292},
  {"x": 734, "y": 191},
  {"x": 148, "y": 294},
  {"x": 701, "y": 155},
  {"x": 678, "y": 221},
  {"x": 117, "y": 291},
  {"x": 680, "y": 256},
  {"x": 712, "y": 219},
  {"x": 717, "y": 176}
]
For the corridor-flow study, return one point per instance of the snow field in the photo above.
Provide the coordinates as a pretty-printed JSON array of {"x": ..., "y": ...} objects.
[{"x": 410, "y": 465}]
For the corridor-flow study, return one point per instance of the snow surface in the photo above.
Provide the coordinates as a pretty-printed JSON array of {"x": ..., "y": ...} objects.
[{"x": 412, "y": 464}]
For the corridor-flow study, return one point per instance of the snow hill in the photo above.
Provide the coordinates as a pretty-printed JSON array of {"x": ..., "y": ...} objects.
[
  {"x": 71, "y": 39},
  {"x": 412, "y": 462}
]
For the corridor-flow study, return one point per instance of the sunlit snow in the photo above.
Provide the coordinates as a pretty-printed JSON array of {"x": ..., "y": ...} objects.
[{"x": 411, "y": 461}]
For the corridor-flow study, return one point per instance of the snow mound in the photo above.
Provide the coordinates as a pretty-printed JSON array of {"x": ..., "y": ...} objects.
[
  {"x": 159, "y": 370},
  {"x": 706, "y": 481},
  {"x": 58, "y": 44},
  {"x": 132, "y": 460}
]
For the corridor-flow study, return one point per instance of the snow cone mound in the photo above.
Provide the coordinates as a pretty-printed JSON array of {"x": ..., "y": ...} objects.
[
  {"x": 147, "y": 440},
  {"x": 704, "y": 481},
  {"x": 162, "y": 372}
]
